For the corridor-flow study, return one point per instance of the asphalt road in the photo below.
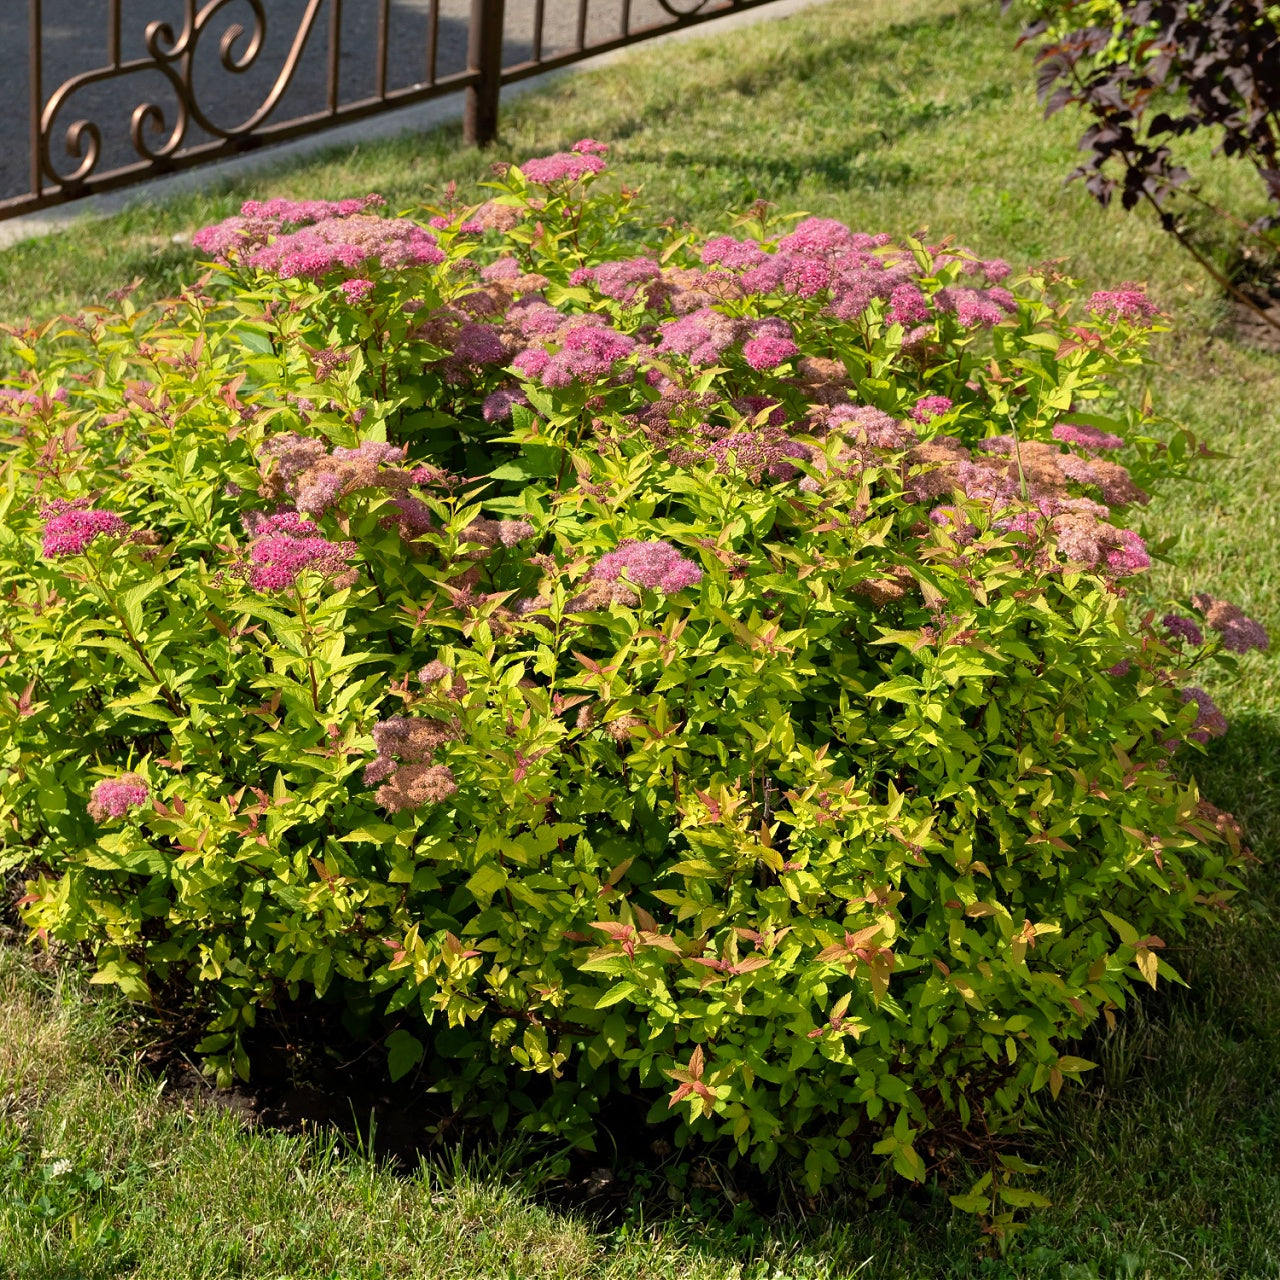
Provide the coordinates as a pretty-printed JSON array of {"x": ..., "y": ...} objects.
[{"x": 75, "y": 41}]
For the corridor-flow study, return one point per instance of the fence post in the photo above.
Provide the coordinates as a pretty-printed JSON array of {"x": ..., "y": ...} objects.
[{"x": 484, "y": 56}]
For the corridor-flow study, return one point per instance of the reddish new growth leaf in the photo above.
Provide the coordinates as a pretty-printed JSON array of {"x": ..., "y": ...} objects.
[{"x": 689, "y": 1082}]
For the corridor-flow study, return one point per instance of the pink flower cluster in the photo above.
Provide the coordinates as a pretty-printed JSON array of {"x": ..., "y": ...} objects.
[
  {"x": 114, "y": 797},
  {"x": 285, "y": 546},
  {"x": 357, "y": 290},
  {"x": 24, "y": 396},
  {"x": 733, "y": 255},
  {"x": 69, "y": 529},
  {"x": 347, "y": 244},
  {"x": 620, "y": 280},
  {"x": 975, "y": 308},
  {"x": 772, "y": 345},
  {"x": 701, "y": 337},
  {"x": 931, "y": 407},
  {"x": 301, "y": 212},
  {"x": 567, "y": 166},
  {"x": 907, "y": 306},
  {"x": 588, "y": 350},
  {"x": 822, "y": 258},
  {"x": 654, "y": 564},
  {"x": 1128, "y": 553},
  {"x": 259, "y": 220},
  {"x": 1129, "y": 303}
]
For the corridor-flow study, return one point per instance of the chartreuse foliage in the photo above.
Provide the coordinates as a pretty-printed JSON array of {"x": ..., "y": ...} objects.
[{"x": 742, "y": 705}]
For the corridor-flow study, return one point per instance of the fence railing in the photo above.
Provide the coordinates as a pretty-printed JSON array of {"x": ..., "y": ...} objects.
[{"x": 120, "y": 91}]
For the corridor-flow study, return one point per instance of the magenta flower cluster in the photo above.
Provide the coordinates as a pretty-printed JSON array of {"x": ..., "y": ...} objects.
[
  {"x": 620, "y": 280},
  {"x": 587, "y": 351},
  {"x": 114, "y": 797},
  {"x": 822, "y": 259},
  {"x": 285, "y": 545},
  {"x": 656, "y": 565},
  {"x": 69, "y": 529}
]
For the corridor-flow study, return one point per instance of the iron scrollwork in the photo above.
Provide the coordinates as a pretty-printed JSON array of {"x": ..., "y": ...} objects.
[
  {"x": 173, "y": 55},
  {"x": 686, "y": 10}
]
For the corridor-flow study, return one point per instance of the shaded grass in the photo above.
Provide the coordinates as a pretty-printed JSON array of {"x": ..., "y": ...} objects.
[{"x": 889, "y": 114}]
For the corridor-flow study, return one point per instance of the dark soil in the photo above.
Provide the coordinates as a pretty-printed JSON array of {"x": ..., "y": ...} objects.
[{"x": 309, "y": 1072}]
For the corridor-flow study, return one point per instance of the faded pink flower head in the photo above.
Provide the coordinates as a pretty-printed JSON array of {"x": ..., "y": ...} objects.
[
  {"x": 114, "y": 797},
  {"x": 501, "y": 269},
  {"x": 1182, "y": 628},
  {"x": 1239, "y": 632},
  {"x": 653, "y": 564},
  {"x": 701, "y": 336},
  {"x": 1210, "y": 722},
  {"x": 498, "y": 404},
  {"x": 620, "y": 280},
  {"x": 1088, "y": 438},
  {"x": 68, "y": 530}
]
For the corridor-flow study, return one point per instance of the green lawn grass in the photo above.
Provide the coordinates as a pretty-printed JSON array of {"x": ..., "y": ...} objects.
[{"x": 889, "y": 114}]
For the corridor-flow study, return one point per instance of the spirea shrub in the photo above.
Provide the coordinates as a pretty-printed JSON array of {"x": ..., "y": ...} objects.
[{"x": 610, "y": 658}]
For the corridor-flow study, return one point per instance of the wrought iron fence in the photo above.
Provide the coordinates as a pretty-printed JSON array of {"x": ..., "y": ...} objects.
[{"x": 147, "y": 87}]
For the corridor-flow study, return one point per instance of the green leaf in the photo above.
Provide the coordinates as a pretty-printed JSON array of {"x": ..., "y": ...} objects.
[
  {"x": 619, "y": 991},
  {"x": 404, "y": 1052},
  {"x": 1021, "y": 1198},
  {"x": 485, "y": 882}
]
